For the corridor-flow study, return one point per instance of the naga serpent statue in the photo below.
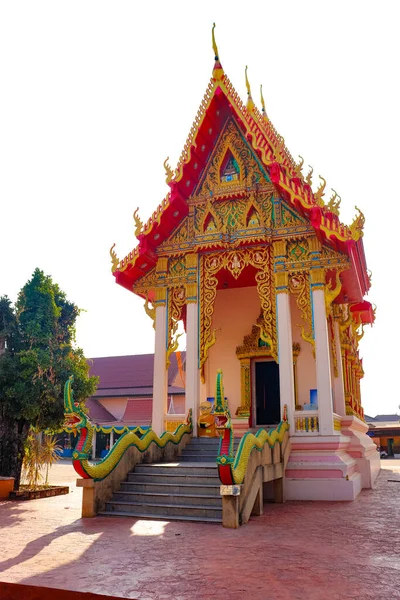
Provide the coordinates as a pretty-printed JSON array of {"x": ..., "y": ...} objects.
[
  {"x": 232, "y": 468},
  {"x": 77, "y": 419}
]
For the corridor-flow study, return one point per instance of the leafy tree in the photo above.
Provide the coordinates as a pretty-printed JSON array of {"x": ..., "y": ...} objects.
[{"x": 37, "y": 355}]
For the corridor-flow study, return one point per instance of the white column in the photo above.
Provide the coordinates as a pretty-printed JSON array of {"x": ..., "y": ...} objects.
[
  {"x": 338, "y": 382},
  {"x": 111, "y": 438},
  {"x": 160, "y": 377},
  {"x": 323, "y": 364},
  {"x": 285, "y": 348},
  {"x": 192, "y": 393}
]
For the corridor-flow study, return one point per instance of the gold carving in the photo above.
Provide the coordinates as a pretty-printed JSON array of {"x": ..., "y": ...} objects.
[
  {"x": 214, "y": 43},
  {"x": 266, "y": 292},
  {"x": 168, "y": 171},
  {"x": 314, "y": 245},
  {"x": 114, "y": 259},
  {"x": 309, "y": 176},
  {"x": 317, "y": 278},
  {"x": 334, "y": 203},
  {"x": 191, "y": 261},
  {"x": 332, "y": 294},
  {"x": 281, "y": 282},
  {"x": 357, "y": 226},
  {"x": 160, "y": 296},
  {"x": 250, "y": 173},
  {"x": 253, "y": 345},
  {"x": 300, "y": 288},
  {"x": 320, "y": 193},
  {"x": 176, "y": 302},
  {"x": 151, "y": 312},
  {"x": 191, "y": 293},
  {"x": 245, "y": 389},
  {"x": 138, "y": 223},
  {"x": 279, "y": 248},
  {"x": 299, "y": 167},
  {"x": 296, "y": 351},
  {"x": 235, "y": 262}
]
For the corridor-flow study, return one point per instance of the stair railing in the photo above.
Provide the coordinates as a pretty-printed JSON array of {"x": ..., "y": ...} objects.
[{"x": 242, "y": 474}]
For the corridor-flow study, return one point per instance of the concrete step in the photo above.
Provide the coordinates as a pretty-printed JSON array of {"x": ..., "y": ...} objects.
[
  {"x": 173, "y": 488},
  {"x": 199, "y": 458},
  {"x": 138, "y": 515},
  {"x": 200, "y": 450},
  {"x": 169, "y": 498},
  {"x": 208, "y": 442},
  {"x": 204, "y": 441},
  {"x": 178, "y": 469},
  {"x": 173, "y": 478},
  {"x": 165, "y": 509}
]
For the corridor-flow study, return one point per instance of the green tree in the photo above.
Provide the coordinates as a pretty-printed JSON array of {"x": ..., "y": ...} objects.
[{"x": 37, "y": 355}]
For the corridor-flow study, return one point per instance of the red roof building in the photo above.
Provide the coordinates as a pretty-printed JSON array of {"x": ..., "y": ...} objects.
[{"x": 125, "y": 390}]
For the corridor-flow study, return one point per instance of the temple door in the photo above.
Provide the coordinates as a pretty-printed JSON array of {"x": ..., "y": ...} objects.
[{"x": 267, "y": 396}]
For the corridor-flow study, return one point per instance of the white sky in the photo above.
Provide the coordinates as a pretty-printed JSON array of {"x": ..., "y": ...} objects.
[{"x": 95, "y": 95}]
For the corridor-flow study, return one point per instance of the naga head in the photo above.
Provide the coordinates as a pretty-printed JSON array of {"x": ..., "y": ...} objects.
[
  {"x": 222, "y": 415},
  {"x": 75, "y": 418}
]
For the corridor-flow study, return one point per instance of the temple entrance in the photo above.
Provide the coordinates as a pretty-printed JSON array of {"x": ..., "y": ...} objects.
[{"x": 266, "y": 395}]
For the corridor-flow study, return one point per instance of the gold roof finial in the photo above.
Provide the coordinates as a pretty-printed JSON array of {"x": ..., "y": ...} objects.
[
  {"x": 218, "y": 71},
  {"x": 264, "y": 112},
  {"x": 114, "y": 259},
  {"x": 214, "y": 43},
  {"x": 250, "y": 103},
  {"x": 168, "y": 171},
  {"x": 138, "y": 223}
]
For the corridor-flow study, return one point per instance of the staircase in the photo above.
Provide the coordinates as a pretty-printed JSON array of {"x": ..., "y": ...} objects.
[{"x": 187, "y": 490}]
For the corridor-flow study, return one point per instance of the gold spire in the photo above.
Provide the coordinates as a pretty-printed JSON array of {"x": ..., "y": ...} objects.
[
  {"x": 214, "y": 43},
  {"x": 114, "y": 259},
  {"x": 250, "y": 103},
  {"x": 218, "y": 71},
  {"x": 263, "y": 105}
]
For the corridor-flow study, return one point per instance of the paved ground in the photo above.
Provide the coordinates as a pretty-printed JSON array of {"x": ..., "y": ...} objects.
[{"x": 312, "y": 551}]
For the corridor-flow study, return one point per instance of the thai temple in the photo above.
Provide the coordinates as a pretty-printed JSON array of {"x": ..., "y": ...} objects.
[{"x": 250, "y": 254}]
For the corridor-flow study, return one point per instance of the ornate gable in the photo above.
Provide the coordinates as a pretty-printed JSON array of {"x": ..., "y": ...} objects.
[{"x": 233, "y": 166}]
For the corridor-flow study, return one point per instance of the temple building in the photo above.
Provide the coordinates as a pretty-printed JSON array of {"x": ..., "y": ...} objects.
[{"x": 269, "y": 285}]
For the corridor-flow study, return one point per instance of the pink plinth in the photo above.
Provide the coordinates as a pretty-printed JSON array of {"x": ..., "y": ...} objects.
[
  {"x": 362, "y": 449},
  {"x": 320, "y": 468}
]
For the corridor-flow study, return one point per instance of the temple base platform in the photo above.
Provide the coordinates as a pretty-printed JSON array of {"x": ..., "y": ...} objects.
[
  {"x": 322, "y": 468},
  {"x": 362, "y": 449}
]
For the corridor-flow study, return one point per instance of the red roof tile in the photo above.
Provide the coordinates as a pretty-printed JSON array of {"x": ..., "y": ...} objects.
[
  {"x": 138, "y": 411},
  {"x": 97, "y": 412},
  {"x": 129, "y": 375}
]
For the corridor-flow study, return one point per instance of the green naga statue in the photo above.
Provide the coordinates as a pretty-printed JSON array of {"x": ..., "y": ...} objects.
[{"x": 77, "y": 419}]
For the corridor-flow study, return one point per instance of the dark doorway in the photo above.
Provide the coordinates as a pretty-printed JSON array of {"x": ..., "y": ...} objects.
[
  {"x": 268, "y": 409},
  {"x": 390, "y": 445}
]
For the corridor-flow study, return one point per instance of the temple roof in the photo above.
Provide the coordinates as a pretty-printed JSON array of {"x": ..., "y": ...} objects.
[
  {"x": 221, "y": 102},
  {"x": 122, "y": 376}
]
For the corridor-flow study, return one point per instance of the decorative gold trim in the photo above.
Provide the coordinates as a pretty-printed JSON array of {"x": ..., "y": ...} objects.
[
  {"x": 245, "y": 389},
  {"x": 176, "y": 302},
  {"x": 299, "y": 286},
  {"x": 160, "y": 296},
  {"x": 282, "y": 282},
  {"x": 250, "y": 348},
  {"x": 151, "y": 312},
  {"x": 114, "y": 259},
  {"x": 138, "y": 223},
  {"x": 296, "y": 348}
]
